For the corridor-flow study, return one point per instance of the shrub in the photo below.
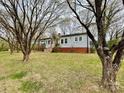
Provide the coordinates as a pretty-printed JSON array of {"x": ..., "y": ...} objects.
[
  {"x": 41, "y": 47},
  {"x": 92, "y": 50},
  {"x": 56, "y": 48},
  {"x": 4, "y": 47},
  {"x": 112, "y": 42}
]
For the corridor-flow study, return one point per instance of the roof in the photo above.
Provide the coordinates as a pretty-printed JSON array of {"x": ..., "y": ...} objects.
[
  {"x": 69, "y": 35},
  {"x": 76, "y": 34}
]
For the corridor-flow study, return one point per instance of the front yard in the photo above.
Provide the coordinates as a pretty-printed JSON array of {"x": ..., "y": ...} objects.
[{"x": 52, "y": 73}]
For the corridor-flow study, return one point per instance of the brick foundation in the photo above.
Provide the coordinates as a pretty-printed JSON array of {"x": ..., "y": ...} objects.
[{"x": 73, "y": 50}]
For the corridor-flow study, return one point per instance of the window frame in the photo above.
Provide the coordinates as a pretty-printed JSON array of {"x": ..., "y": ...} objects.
[
  {"x": 62, "y": 41},
  {"x": 76, "y": 39},
  {"x": 66, "y": 40},
  {"x": 80, "y": 38}
]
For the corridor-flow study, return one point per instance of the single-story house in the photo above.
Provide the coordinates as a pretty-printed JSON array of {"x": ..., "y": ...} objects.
[{"x": 78, "y": 43}]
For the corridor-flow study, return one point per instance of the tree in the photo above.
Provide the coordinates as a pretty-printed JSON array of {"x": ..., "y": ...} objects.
[
  {"x": 103, "y": 16},
  {"x": 55, "y": 41},
  {"x": 28, "y": 19},
  {"x": 115, "y": 32},
  {"x": 8, "y": 37}
]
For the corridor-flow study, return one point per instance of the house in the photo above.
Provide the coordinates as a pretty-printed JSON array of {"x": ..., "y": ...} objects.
[{"x": 77, "y": 43}]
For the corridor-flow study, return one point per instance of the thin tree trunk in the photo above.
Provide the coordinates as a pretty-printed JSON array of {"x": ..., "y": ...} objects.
[
  {"x": 11, "y": 49},
  {"x": 17, "y": 47},
  {"x": 17, "y": 50}
]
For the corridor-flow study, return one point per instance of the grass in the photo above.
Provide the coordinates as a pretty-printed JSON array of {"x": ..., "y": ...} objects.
[
  {"x": 52, "y": 73},
  {"x": 18, "y": 75},
  {"x": 31, "y": 86}
]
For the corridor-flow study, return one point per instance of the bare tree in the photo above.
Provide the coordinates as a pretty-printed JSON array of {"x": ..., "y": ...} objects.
[
  {"x": 6, "y": 33},
  {"x": 115, "y": 32},
  {"x": 110, "y": 57},
  {"x": 8, "y": 37},
  {"x": 28, "y": 19},
  {"x": 55, "y": 41}
]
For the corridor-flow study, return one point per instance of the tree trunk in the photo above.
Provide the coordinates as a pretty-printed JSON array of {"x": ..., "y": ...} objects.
[
  {"x": 26, "y": 57},
  {"x": 17, "y": 50},
  {"x": 109, "y": 76},
  {"x": 17, "y": 47},
  {"x": 11, "y": 49}
]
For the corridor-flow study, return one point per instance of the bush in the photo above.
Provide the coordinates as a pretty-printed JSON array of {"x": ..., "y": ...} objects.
[
  {"x": 56, "y": 48},
  {"x": 92, "y": 50},
  {"x": 4, "y": 46},
  {"x": 112, "y": 42},
  {"x": 41, "y": 47}
]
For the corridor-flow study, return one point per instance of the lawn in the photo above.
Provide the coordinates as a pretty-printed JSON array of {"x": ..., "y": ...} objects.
[{"x": 52, "y": 73}]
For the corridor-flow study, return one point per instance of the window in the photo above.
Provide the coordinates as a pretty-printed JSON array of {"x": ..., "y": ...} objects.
[
  {"x": 45, "y": 42},
  {"x": 80, "y": 38},
  {"x": 61, "y": 41},
  {"x": 49, "y": 42},
  {"x": 76, "y": 39},
  {"x": 42, "y": 42},
  {"x": 66, "y": 41}
]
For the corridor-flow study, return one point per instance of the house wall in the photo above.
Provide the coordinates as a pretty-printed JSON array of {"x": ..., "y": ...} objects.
[
  {"x": 47, "y": 42},
  {"x": 72, "y": 45}
]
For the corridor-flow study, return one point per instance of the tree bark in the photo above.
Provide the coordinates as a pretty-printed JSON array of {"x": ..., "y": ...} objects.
[
  {"x": 11, "y": 49},
  {"x": 17, "y": 47},
  {"x": 109, "y": 74},
  {"x": 26, "y": 57}
]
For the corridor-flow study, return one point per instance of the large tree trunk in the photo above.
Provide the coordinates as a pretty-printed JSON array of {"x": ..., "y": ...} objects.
[
  {"x": 109, "y": 78},
  {"x": 26, "y": 53},
  {"x": 26, "y": 57},
  {"x": 25, "y": 47},
  {"x": 109, "y": 74}
]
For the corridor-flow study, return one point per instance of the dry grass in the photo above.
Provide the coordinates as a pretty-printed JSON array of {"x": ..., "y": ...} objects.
[{"x": 52, "y": 73}]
